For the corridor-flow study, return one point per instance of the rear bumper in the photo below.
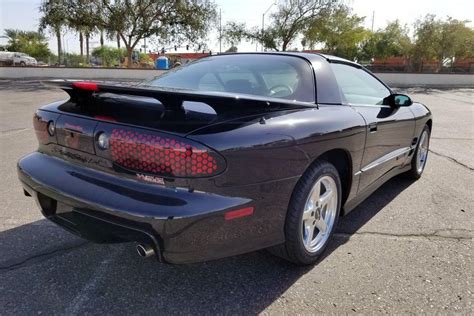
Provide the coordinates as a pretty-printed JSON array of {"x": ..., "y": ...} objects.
[{"x": 182, "y": 225}]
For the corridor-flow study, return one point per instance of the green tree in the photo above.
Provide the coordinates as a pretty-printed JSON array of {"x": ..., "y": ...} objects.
[
  {"x": 456, "y": 40},
  {"x": 109, "y": 56},
  {"x": 339, "y": 31},
  {"x": 393, "y": 40},
  {"x": 437, "y": 40},
  {"x": 427, "y": 38},
  {"x": 28, "y": 42},
  {"x": 289, "y": 21},
  {"x": 54, "y": 17},
  {"x": 173, "y": 20}
]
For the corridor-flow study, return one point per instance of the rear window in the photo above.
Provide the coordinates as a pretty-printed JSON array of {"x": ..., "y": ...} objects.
[{"x": 274, "y": 76}]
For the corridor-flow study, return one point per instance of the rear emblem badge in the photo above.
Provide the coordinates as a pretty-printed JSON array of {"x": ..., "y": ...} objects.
[{"x": 148, "y": 178}]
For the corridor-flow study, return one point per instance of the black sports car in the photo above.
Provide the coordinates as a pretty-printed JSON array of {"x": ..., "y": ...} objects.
[{"x": 226, "y": 155}]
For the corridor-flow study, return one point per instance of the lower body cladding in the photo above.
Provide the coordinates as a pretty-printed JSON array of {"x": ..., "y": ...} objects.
[{"x": 178, "y": 224}]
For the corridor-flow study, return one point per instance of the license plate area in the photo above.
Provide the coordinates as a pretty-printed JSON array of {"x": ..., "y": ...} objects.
[{"x": 76, "y": 133}]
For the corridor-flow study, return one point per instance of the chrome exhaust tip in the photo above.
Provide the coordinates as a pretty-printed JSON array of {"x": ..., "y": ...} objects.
[{"x": 145, "y": 251}]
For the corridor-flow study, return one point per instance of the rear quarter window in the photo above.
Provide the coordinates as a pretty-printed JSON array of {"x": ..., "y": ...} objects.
[{"x": 359, "y": 87}]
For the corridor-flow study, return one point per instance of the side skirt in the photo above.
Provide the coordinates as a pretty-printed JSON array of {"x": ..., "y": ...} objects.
[{"x": 361, "y": 196}]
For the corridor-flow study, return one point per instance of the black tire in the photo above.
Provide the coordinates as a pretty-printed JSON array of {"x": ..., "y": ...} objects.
[
  {"x": 415, "y": 173},
  {"x": 22, "y": 64},
  {"x": 293, "y": 249}
]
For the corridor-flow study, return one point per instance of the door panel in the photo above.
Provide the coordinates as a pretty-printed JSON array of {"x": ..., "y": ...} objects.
[
  {"x": 389, "y": 136},
  {"x": 389, "y": 130}
]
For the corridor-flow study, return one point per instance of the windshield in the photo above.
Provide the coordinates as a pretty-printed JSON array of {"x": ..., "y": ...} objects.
[{"x": 276, "y": 76}]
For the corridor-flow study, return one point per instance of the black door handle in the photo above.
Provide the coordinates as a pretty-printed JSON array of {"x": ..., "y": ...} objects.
[{"x": 372, "y": 127}]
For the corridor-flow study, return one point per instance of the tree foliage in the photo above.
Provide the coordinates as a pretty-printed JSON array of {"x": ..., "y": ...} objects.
[
  {"x": 439, "y": 40},
  {"x": 109, "y": 56},
  {"x": 170, "y": 20},
  {"x": 328, "y": 25},
  {"x": 28, "y": 42},
  {"x": 338, "y": 31},
  {"x": 392, "y": 41},
  {"x": 289, "y": 21}
]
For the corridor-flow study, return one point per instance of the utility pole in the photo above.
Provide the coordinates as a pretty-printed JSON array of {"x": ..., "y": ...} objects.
[
  {"x": 373, "y": 19},
  {"x": 220, "y": 31},
  {"x": 263, "y": 19}
]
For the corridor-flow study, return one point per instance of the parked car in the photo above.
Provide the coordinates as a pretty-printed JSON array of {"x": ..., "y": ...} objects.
[
  {"x": 16, "y": 59},
  {"x": 6, "y": 58},
  {"x": 223, "y": 156}
]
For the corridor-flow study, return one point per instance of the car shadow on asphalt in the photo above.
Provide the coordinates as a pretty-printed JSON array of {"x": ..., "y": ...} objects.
[
  {"x": 352, "y": 222},
  {"x": 81, "y": 277}
]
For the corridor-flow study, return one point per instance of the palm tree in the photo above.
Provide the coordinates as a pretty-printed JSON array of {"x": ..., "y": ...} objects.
[
  {"x": 55, "y": 19},
  {"x": 82, "y": 17}
]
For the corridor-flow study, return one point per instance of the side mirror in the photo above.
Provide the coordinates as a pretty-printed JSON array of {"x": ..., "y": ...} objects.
[{"x": 396, "y": 100}]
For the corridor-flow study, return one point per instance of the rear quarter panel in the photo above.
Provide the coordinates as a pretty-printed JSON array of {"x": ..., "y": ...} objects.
[
  {"x": 267, "y": 154},
  {"x": 282, "y": 145}
]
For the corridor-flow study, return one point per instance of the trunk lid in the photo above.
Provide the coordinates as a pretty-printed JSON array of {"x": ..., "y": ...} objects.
[{"x": 142, "y": 131}]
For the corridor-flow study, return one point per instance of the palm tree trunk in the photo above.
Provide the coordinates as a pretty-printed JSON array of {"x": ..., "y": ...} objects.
[
  {"x": 87, "y": 47},
  {"x": 60, "y": 48},
  {"x": 81, "y": 43},
  {"x": 101, "y": 38}
]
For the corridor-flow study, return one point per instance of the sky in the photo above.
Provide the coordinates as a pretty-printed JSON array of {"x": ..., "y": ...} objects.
[{"x": 24, "y": 15}]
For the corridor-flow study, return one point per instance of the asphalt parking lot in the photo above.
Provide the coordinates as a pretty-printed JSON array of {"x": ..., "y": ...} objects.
[{"x": 407, "y": 249}]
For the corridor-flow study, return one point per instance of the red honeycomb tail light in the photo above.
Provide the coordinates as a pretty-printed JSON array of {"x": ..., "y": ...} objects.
[{"x": 156, "y": 153}]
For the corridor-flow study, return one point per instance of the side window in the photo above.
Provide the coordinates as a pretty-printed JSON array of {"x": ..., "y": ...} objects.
[{"x": 359, "y": 87}]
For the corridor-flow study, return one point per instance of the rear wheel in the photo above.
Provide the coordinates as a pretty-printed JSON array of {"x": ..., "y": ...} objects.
[
  {"x": 418, "y": 162},
  {"x": 312, "y": 214}
]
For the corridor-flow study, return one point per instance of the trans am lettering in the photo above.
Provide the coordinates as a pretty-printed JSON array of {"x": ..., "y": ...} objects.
[{"x": 148, "y": 178}]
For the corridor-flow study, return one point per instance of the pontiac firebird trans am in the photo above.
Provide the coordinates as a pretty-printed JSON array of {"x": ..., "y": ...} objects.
[{"x": 223, "y": 156}]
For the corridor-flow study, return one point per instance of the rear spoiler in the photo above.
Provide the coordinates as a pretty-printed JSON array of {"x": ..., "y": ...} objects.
[{"x": 172, "y": 99}]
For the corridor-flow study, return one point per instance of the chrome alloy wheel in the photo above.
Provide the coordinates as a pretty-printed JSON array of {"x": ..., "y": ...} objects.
[
  {"x": 319, "y": 214},
  {"x": 422, "y": 153}
]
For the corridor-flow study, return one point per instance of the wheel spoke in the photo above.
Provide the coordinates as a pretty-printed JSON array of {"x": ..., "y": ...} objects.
[
  {"x": 307, "y": 215},
  {"x": 315, "y": 195},
  {"x": 321, "y": 226},
  {"x": 325, "y": 198},
  {"x": 422, "y": 152},
  {"x": 309, "y": 232}
]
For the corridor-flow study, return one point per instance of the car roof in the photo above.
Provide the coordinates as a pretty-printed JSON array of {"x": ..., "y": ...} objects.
[
  {"x": 339, "y": 59},
  {"x": 326, "y": 84},
  {"x": 306, "y": 55}
]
